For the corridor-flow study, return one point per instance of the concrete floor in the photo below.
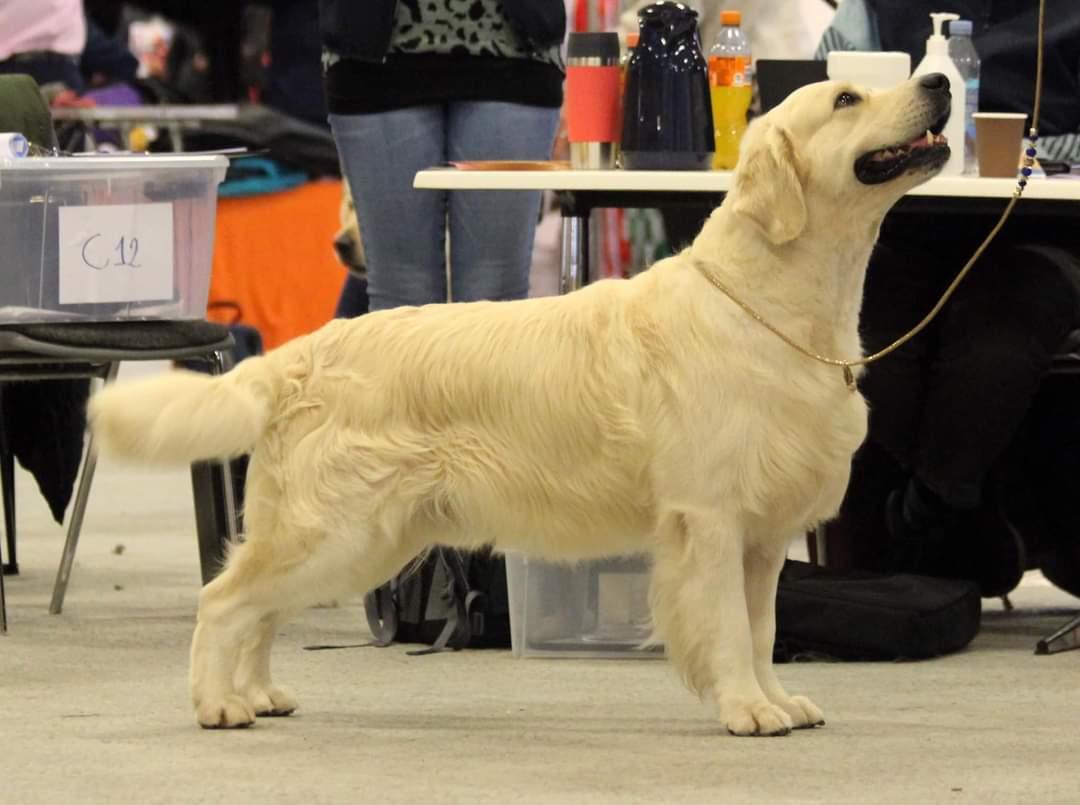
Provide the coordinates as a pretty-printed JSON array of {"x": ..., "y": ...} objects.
[{"x": 94, "y": 708}]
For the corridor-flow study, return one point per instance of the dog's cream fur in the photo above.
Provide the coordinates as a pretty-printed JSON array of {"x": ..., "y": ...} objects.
[{"x": 647, "y": 415}]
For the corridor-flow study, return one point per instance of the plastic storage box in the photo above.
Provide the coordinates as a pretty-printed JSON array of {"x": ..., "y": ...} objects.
[
  {"x": 592, "y": 609},
  {"x": 96, "y": 238}
]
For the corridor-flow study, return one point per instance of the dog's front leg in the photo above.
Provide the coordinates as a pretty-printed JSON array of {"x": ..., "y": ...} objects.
[
  {"x": 699, "y": 608},
  {"x": 762, "y": 574}
]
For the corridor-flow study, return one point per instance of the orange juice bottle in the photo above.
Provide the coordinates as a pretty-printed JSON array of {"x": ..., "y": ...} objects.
[{"x": 731, "y": 83}]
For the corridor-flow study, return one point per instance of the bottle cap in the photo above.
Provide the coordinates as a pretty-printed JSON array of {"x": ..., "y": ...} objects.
[
  {"x": 960, "y": 28},
  {"x": 13, "y": 145},
  {"x": 731, "y": 17},
  {"x": 937, "y": 44}
]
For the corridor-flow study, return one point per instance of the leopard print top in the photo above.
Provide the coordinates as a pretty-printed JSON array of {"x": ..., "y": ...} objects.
[
  {"x": 446, "y": 50},
  {"x": 460, "y": 28}
]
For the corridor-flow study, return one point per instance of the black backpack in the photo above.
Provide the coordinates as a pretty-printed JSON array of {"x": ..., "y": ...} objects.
[{"x": 448, "y": 599}]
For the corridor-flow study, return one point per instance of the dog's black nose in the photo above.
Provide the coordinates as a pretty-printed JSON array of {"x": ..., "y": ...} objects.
[
  {"x": 343, "y": 248},
  {"x": 935, "y": 82}
]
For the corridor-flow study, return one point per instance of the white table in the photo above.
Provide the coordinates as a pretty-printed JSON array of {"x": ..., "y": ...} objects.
[{"x": 581, "y": 191}]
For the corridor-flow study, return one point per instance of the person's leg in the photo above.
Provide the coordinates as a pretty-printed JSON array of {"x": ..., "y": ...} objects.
[
  {"x": 403, "y": 229},
  {"x": 491, "y": 232},
  {"x": 902, "y": 283},
  {"x": 996, "y": 339},
  {"x": 1002, "y": 330},
  {"x": 353, "y": 301},
  {"x": 901, "y": 286}
]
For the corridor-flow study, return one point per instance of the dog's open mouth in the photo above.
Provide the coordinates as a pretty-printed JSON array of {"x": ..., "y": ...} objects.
[{"x": 929, "y": 150}]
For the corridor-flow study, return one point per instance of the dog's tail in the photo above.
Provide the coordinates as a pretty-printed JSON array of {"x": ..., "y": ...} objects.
[{"x": 182, "y": 416}]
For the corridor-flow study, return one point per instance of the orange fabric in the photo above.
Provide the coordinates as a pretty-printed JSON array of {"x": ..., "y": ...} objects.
[{"x": 274, "y": 257}]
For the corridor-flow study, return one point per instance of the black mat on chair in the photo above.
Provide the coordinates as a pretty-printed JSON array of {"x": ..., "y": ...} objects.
[{"x": 136, "y": 336}]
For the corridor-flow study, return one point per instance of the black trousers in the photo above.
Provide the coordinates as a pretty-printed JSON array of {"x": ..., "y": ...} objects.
[{"x": 947, "y": 404}]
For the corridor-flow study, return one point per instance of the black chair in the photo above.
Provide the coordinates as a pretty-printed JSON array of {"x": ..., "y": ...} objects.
[
  {"x": 94, "y": 350},
  {"x": 76, "y": 351}
]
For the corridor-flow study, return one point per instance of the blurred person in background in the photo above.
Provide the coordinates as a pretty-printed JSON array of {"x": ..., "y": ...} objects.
[
  {"x": 411, "y": 85},
  {"x": 43, "y": 39},
  {"x": 66, "y": 52},
  {"x": 971, "y": 465}
]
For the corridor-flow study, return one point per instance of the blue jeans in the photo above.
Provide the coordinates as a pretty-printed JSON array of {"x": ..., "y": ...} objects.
[{"x": 404, "y": 230}]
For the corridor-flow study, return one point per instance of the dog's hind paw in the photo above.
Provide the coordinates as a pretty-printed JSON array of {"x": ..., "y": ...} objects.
[
  {"x": 756, "y": 718},
  {"x": 232, "y": 712},
  {"x": 804, "y": 713},
  {"x": 271, "y": 701}
]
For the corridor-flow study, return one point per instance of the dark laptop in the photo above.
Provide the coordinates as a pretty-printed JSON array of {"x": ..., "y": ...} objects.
[{"x": 778, "y": 78}]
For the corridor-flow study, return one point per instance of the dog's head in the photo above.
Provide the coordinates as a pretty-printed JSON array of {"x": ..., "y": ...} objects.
[
  {"x": 840, "y": 145},
  {"x": 347, "y": 244}
]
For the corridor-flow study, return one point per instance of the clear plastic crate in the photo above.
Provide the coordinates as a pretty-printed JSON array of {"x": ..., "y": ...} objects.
[
  {"x": 107, "y": 238},
  {"x": 591, "y": 609}
]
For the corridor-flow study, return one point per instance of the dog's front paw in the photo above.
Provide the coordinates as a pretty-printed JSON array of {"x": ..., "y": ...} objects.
[
  {"x": 804, "y": 713},
  {"x": 232, "y": 712},
  {"x": 271, "y": 701},
  {"x": 760, "y": 717}
]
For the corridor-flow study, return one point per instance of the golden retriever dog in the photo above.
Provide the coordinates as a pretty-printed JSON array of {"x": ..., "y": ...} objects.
[
  {"x": 644, "y": 415},
  {"x": 348, "y": 247}
]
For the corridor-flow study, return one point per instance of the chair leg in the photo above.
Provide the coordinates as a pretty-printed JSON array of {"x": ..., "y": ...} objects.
[
  {"x": 78, "y": 511},
  {"x": 3, "y": 600},
  {"x": 7, "y": 482},
  {"x": 1064, "y": 639},
  {"x": 215, "y": 499}
]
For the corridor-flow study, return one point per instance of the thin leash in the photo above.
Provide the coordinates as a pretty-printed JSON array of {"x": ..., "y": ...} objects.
[{"x": 847, "y": 366}]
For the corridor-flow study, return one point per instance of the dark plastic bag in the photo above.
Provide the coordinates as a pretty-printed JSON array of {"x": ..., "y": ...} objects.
[{"x": 856, "y": 615}]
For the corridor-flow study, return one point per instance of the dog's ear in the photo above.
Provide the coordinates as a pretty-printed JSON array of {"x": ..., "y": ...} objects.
[{"x": 768, "y": 188}]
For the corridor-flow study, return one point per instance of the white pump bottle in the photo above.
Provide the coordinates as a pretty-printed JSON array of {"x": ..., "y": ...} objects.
[{"x": 937, "y": 60}]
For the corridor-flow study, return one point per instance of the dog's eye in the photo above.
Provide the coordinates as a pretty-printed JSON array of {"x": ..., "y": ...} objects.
[{"x": 845, "y": 99}]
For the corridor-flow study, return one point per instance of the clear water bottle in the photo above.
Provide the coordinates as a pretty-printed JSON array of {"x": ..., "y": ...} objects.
[
  {"x": 962, "y": 52},
  {"x": 731, "y": 81}
]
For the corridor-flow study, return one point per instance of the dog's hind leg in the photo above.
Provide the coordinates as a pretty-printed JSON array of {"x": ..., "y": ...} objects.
[
  {"x": 699, "y": 608},
  {"x": 762, "y": 574},
  {"x": 227, "y": 618},
  {"x": 253, "y": 681},
  {"x": 240, "y": 611},
  {"x": 264, "y": 583}
]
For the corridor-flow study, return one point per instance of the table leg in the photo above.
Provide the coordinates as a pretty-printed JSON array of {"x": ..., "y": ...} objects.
[
  {"x": 176, "y": 134},
  {"x": 574, "y": 265}
]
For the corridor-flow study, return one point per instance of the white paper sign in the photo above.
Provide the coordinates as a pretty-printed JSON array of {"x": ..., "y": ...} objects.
[{"x": 116, "y": 253}]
